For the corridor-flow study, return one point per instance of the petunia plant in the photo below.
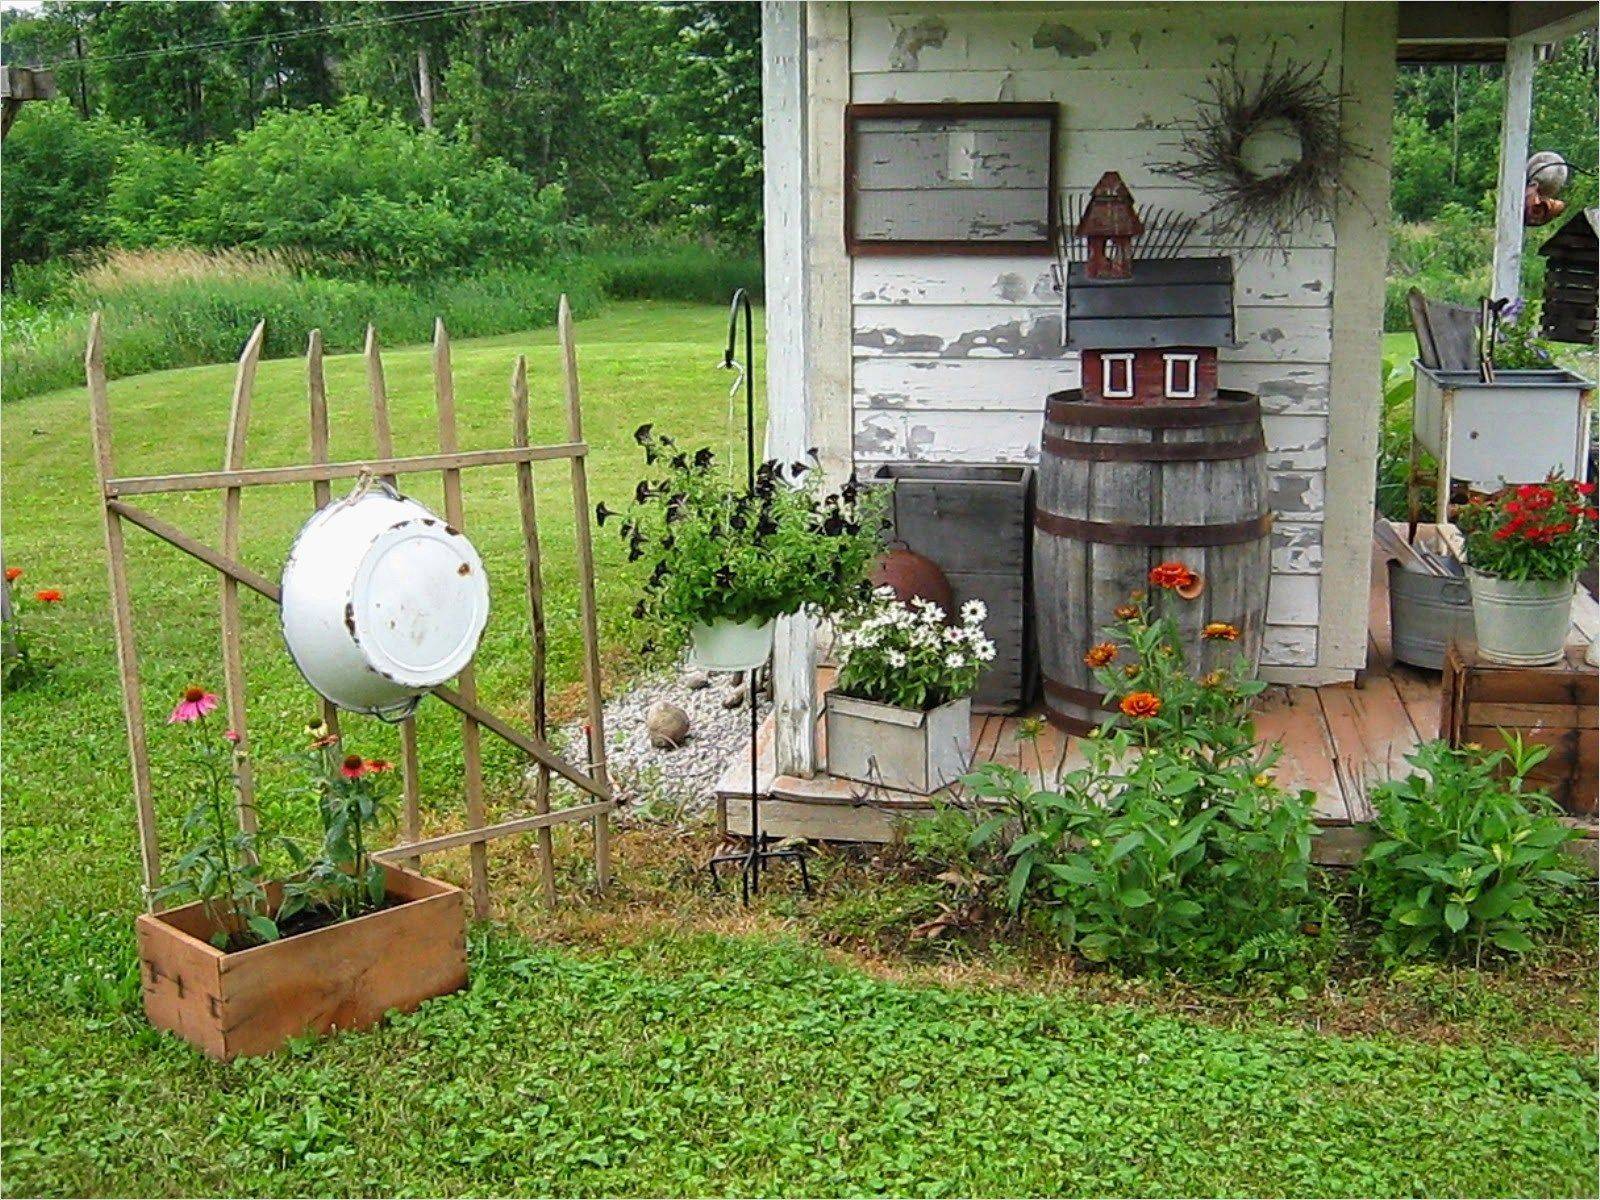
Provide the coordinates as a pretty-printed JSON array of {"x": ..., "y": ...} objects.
[
  {"x": 1533, "y": 531},
  {"x": 717, "y": 550},
  {"x": 908, "y": 655}
]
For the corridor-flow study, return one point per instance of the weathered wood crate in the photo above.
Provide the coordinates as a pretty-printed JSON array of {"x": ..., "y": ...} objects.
[
  {"x": 973, "y": 522},
  {"x": 1555, "y": 706}
]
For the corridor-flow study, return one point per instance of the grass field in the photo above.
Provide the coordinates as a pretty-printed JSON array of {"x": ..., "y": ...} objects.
[{"x": 653, "y": 1042}]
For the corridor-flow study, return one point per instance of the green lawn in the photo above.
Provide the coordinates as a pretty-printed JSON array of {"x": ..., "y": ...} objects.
[{"x": 667, "y": 1061}]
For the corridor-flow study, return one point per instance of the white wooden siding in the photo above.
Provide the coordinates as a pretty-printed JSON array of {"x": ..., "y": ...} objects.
[{"x": 954, "y": 356}]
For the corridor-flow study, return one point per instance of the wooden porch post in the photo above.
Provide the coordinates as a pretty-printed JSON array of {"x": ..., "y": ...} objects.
[{"x": 1514, "y": 123}]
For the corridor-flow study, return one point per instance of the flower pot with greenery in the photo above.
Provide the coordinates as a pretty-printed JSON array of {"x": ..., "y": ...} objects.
[
  {"x": 251, "y": 962},
  {"x": 900, "y": 715},
  {"x": 726, "y": 560},
  {"x": 1524, "y": 548}
]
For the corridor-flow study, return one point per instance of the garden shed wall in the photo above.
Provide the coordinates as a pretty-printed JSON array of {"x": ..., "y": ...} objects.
[{"x": 952, "y": 356}]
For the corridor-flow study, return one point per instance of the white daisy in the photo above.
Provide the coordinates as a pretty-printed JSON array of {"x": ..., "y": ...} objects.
[
  {"x": 896, "y": 658},
  {"x": 974, "y": 611},
  {"x": 984, "y": 649},
  {"x": 954, "y": 661}
]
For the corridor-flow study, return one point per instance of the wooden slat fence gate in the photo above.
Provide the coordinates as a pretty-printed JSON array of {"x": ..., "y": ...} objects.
[{"x": 450, "y": 460}]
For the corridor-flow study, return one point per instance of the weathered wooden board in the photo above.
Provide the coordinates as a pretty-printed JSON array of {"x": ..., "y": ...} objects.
[
  {"x": 1021, "y": 384},
  {"x": 953, "y": 214},
  {"x": 1296, "y": 548},
  {"x": 962, "y": 153},
  {"x": 1266, "y": 333},
  {"x": 1302, "y": 281},
  {"x": 1122, "y": 37},
  {"x": 1289, "y": 646}
]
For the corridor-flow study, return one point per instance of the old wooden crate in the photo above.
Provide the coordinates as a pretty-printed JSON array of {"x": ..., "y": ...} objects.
[
  {"x": 344, "y": 976},
  {"x": 1555, "y": 706},
  {"x": 899, "y": 748},
  {"x": 973, "y": 522}
]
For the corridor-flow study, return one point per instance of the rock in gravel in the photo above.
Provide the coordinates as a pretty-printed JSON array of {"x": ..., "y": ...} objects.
[
  {"x": 735, "y": 698},
  {"x": 695, "y": 680},
  {"x": 668, "y": 725}
]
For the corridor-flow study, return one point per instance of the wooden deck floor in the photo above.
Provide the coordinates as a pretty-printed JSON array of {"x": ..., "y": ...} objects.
[{"x": 1337, "y": 741}]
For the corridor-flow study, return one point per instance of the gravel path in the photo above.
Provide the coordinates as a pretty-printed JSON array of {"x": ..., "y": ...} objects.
[{"x": 673, "y": 784}]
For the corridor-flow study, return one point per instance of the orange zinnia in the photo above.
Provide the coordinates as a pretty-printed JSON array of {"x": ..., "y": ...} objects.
[
  {"x": 13, "y": 574},
  {"x": 1141, "y": 704},
  {"x": 1100, "y": 655},
  {"x": 1220, "y": 631},
  {"x": 48, "y": 596},
  {"x": 1126, "y": 612},
  {"x": 1174, "y": 576}
]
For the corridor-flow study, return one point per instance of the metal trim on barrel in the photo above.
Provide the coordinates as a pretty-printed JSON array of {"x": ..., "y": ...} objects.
[
  {"x": 1154, "y": 451},
  {"x": 1076, "y": 695},
  {"x": 1116, "y": 533},
  {"x": 1230, "y": 408}
]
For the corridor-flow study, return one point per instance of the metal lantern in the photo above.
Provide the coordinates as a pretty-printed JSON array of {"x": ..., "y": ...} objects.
[{"x": 382, "y": 600}]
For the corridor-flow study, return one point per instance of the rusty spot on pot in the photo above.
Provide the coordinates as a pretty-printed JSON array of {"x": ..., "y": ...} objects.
[
  {"x": 464, "y": 569},
  {"x": 350, "y": 621}
]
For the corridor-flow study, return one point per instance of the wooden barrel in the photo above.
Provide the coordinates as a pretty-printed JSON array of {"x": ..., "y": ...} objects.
[{"x": 1124, "y": 487}]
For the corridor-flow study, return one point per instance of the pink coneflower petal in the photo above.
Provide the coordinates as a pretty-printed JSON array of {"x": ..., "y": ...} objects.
[
  {"x": 196, "y": 703},
  {"x": 233, "y": 736},
  {"x": 353, "y": 767}
]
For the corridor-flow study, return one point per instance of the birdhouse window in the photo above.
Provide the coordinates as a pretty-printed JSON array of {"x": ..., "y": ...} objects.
[
  {"x": 1116, "y": 376},
  {"x": 1180, "y": 376}
]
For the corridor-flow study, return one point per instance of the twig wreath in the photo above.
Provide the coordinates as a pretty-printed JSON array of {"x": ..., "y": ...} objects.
[{"x": 1257, "y": 207}]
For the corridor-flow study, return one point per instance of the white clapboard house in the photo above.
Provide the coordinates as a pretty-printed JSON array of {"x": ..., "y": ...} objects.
[{"x": 922, "y": 350}]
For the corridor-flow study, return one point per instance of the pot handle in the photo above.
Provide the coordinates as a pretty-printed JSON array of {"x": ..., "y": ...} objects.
[
  {"x": 395, "y": 714},
  {"x": 1457, "y": 592}
]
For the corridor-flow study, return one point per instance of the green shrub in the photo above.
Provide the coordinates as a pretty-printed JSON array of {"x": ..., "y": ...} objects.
[
  {"x": 1172, "y": 848},
  {"x": 673, "y": 270},
  {"x": 1467, "y": 854},
  {"x": 55, "y": 176}
]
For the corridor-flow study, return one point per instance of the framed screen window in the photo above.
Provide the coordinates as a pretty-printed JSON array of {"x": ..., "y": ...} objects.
[{"x": 950, "y": 178}]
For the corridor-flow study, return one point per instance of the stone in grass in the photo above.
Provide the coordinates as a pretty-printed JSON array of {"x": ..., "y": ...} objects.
[
  {"x": 667, "y": 724},
  {"x": 695, "y": 680}
]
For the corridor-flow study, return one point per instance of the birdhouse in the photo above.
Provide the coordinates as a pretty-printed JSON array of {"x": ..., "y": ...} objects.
[
  {"x": 1147, "y": 329},
  {"x": 1569, "y": 280}
]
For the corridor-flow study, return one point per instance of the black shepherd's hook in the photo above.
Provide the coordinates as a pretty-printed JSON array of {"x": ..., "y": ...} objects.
[
  {"x": 753, "y": 860},
  {"x": 741, "y": 302}
]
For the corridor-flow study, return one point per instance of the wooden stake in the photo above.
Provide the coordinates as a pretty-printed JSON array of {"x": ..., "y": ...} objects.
[
  {"x": 122, "y": 617},
  {"x": 232, "y": 632},
  {"x": 321, "y": 493},
  {"x": 520, "y": 436},
  {"x": 444, "y": 392},
  {"x": 591, "y": 637},
  {"x": 411, "y": 782}
]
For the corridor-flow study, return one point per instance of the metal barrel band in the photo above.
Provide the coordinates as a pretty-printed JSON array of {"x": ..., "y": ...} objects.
[
  {"x": 1087, "y": 697},
  {"x": 1119, "y": 533},
  {"x": 1230, "y": 408},
  {"x": 1062, "y": 447}
]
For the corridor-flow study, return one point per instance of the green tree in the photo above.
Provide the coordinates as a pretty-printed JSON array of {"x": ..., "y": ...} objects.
[{"x": 56, "y": 174}]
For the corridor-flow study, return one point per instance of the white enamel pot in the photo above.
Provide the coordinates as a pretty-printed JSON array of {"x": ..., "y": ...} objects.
[
  {"x": 381, "y": 601},
  {"x": 724, "y": 645}
]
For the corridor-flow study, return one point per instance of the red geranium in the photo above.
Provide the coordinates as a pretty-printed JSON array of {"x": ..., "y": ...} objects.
[{"x": 1541, "y": 531}]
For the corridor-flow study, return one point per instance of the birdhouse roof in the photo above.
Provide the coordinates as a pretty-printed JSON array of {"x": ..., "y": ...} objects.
[
  {"x": 1167, "y": 302},
  {"x": 1110, "y": 211},
  {"x": 1583, "y": 228}
]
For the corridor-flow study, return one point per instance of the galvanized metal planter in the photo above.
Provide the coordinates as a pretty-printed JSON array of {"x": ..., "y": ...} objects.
[
  {"x": 905, "y": 749},
  {"x": 1522, "y": 622},
  {"x": 1426, "y": 614}
]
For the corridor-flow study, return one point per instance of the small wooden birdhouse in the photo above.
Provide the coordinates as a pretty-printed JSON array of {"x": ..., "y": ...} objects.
[
  {"x": 1570, "y": 280},
  {"x": 1109, "y": 224}
]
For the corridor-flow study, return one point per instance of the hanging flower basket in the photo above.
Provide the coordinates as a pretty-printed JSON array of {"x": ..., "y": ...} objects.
[{"x": 724, "y": 645}]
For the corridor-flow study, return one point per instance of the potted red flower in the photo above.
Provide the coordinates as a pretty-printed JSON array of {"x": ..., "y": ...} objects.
[{"x": 1524, "y": 547}]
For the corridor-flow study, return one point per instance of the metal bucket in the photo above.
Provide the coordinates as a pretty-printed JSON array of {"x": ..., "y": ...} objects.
[
  {"x": 1425, "y": 612},
  {"x": 381, "y": 601},
  {"x": 1523, "y": 622}
]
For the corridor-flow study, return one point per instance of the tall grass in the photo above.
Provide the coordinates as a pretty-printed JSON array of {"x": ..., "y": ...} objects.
[{"x": 180, "y": 307}]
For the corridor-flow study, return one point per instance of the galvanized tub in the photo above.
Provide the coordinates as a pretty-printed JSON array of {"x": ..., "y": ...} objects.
[
  {"x": 1427, "y": 612},
  {"x": 900, "y": 748}
]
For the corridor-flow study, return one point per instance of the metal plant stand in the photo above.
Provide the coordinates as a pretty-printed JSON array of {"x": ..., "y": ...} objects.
[{"x": 754, "y": 859}]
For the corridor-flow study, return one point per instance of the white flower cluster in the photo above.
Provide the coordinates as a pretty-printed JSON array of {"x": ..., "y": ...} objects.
[{"x": 909, "y": 648}]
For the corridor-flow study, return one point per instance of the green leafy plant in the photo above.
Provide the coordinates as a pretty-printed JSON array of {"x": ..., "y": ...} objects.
[
  {"x": 1542, "y": 531},
  {"x": 718, "y": 550},
  {"x": 1517, "y": 344},
  {"x": 353, "y": 799},
  {"x": 1173, "y": 848},
  {"x": 907, "y": 655},
  {"x": 1467, "y": 854},
  {"x": 20, "y": 667},
  {"x": 220, "y": 867}
]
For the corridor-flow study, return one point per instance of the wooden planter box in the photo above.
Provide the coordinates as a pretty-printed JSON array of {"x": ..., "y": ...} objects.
[
  {"x": 973, "y": 521},
  {"x": 899, "y": 748},
  {"x": 1554, "y": 705},
  {"x": 344, "y": 976}
]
